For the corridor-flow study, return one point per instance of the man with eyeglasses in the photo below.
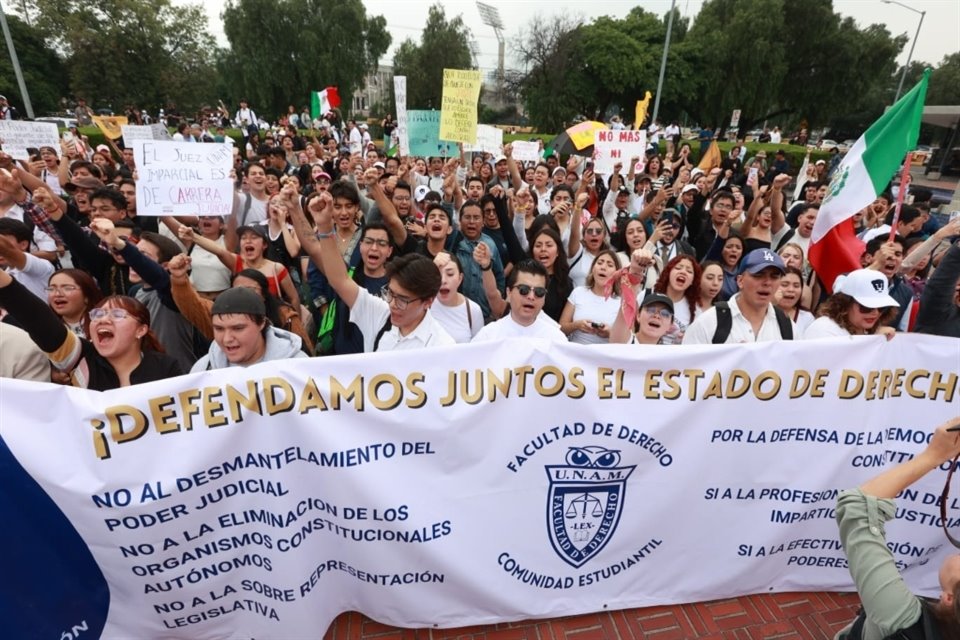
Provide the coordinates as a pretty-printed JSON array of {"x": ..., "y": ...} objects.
[
  {"x": 398, "y": 320},
  {"x": 526, "y": 294}
]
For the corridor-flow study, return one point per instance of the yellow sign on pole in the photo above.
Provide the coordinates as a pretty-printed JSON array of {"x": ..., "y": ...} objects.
[
  {"x": 458, "y": 113},
  {"x": 110, "y": 125}
]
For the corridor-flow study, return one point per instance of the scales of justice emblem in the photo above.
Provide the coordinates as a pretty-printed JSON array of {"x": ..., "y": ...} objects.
[{"x": 585, "y": 501}]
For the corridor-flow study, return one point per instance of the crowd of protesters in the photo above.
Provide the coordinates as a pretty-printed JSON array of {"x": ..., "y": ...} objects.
[{"x": 338, "y": 245}]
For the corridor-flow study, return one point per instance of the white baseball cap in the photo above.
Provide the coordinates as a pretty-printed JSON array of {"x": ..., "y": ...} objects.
[
  {"x": 866, "y": 286},
  {"x": 689, "y": 187},
  {"x": 882, "y": 230},
  {"x": 421, "y": 192}
]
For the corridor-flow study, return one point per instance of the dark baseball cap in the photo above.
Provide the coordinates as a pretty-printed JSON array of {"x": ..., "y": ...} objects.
[
  {"x": 657, "y": 298},
  {"x": 239, "y": 300},
  {"x": 258, "y": 229}
]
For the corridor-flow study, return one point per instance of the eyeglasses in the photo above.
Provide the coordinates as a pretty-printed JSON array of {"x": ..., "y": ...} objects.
[
  {"x": 116, "y": 314},
  {"x": 67, "y": 288},
  {"x": 865, "y": 310},
  {"x": 593, "y": 231},
  {"x": 373, "y": 241},
  {"x": 525, "y": 289},
  {"x": 666, "y": 314},
  {"x": 400, "y": 302}
]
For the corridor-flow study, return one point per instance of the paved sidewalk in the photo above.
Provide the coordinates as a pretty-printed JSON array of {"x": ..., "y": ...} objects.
[{"x": 784, "y": 616}]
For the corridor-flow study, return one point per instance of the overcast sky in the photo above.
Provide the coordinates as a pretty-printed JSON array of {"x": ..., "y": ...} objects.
[{"x": 940, "y": 34}]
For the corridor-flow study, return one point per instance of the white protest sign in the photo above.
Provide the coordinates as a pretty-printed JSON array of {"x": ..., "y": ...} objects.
[
  {"x": 613, "y": 146},
  {"x": 16, "y": 136},
  {"x": 400, "y": 91},
  {"x": 133, "y": 132},
  {"x": 489, "y": 140},
  {"x": 473, "y": 484},
  {"x": 183, "y": 178},
  {"x": 526, "y": 151}
]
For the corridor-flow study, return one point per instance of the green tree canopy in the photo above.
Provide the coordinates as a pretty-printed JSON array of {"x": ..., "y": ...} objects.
[
  {"x": 43, "y": 71},
  {"x": 443, "y": 44},
  {"x": 945, "y": 81},
  {"x": 138, "y": 52},
  {"x": 281, "y": 50}
]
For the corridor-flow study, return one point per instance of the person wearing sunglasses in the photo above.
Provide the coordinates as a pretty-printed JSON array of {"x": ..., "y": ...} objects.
[
  {"x": 860, "y": 305},
  {"x": 890, "y": 610},
  {"x": 526, "y": 295},
  {"x": 121, "y": 351},
  {"x": 399, "y": 319}
]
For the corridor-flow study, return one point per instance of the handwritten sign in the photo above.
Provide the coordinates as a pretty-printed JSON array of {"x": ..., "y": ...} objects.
[
  {"x": 133, "y": 132},
  {"x": 183, "y": 178},
  {"x": 423, "y": 129},
  {"x": 400, "y": 91},
  {"x": 458, "y": 115},
  {"x": 611, "y": 147},
  {"x": 489, "y": 140},
  {"x": 526, "y": 151},
  {"x": 16, "y": 136}
]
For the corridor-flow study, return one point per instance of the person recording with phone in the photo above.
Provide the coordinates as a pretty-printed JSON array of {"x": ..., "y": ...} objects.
[{"x": 889, "y": 607}]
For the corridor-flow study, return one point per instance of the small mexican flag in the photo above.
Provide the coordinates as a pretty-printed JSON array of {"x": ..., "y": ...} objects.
[
  {"x": 322, "y": 102},
  {"x": 860, "y": 178}
]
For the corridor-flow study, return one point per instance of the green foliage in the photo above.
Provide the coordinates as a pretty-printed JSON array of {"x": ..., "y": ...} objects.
[
  {"x": 443, "y": 44},
  {"x": 944, "y": 85},
  {"x": 43, "y": 71},
  {"x": 593, "y": 69},
  {"x": 138, "y": 52},
  {"x": 281, "y": 50}
]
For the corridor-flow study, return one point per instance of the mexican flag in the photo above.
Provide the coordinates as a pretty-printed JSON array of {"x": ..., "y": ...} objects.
[
  {"x": 322, "y": 102},
  {"x": 861, "y": 177}
]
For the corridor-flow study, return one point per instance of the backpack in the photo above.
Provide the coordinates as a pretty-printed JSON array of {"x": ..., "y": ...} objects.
[
  {"x": 386, "y": 327},
  {"x": 329, "y": 327},
  {"x": 725, "y": 323},
  {"x": 923, "y": 629}
]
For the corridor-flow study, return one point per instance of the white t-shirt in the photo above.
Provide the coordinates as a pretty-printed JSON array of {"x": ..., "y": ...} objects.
[
  {"x": 34, "y": 276},
  {"x": 462, "y": 321},
  {"x": 672, "y": 130},
  {"x": 580, "y": 269},
  {"x": 703, "y": 328},
  {"x": 370, "y": 313},
  {"x": 543, "y": 328},
  {"x": 803, "y": 321},
  {"x": 775, "y": 137},
  {"x": 40, "y": 238},
  {"x": 208, "y": 273},
  {"x": 587, "y": 305},
  {"x": 824, "y": 327},
  {"x": 256, "y": 213}
]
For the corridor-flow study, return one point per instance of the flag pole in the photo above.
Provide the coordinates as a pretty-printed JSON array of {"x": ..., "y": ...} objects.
[{"x": 901, "y": 192}]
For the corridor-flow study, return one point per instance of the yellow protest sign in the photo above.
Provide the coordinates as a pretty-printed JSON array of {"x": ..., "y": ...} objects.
[
  {"x": 641, "y": 110},
  {"x": 110, "y": 125},
  {"x": 458, "y": 113}
]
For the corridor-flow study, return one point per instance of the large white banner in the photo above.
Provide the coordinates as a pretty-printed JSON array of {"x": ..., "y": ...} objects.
[
  {"x": 133, "y": 132},
  {"x": 466, "y": 485},
  {"x": 183, "y": 178}
]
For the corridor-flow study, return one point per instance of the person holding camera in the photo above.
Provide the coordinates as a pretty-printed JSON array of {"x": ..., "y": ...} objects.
[{"x": 889, "y": 607}]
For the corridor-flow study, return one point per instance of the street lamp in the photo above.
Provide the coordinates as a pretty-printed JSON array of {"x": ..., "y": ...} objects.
[
  {"x": 663, "y": 66},
  {"x": 909, "y": 55}
]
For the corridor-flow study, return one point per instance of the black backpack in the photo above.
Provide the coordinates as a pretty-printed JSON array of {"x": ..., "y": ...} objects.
[
  {"x": 925, "y": 628},
  {"x": 725, "y": 323}
]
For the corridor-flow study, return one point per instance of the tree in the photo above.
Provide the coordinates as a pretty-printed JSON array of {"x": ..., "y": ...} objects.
[
  {"x": 43, "y": 71},
  {"x": 443, "y": 44},
  {"x": 281, "y": 50},
  {"x": 138, "y": 52},
  {"x": 945, "y": 81}
]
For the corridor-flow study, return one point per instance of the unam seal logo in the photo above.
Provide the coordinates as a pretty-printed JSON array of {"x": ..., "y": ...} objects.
[{"x": 585, "y": 502}]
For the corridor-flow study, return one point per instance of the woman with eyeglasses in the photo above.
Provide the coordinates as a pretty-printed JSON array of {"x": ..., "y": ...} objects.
[
  {"x": 71, "y": 293},
  {"x": 589, "y": 314},
  {"x": 121, "y": 351},
  {"x": 860, "y": 305}
]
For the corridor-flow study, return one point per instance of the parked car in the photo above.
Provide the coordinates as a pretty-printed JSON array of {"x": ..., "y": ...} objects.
[
  {"x": 827, "y": 144},
  {"x": 846, "y": 145},
  {"x": 61, "y": 121}
]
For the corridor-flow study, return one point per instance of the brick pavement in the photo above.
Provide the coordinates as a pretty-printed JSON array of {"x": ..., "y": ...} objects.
[{"x": 783, "y": 616}]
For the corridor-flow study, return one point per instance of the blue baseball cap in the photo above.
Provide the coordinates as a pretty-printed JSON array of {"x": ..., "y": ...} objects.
[{"x": 760, "y": 259}]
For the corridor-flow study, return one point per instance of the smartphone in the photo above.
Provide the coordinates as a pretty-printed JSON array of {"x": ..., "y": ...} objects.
[
  {"x": 667, "y": 217},
  {"x": 754, "y": 172},
  {"x": 68, "y": 136},
  {"x": 596, "y": 325}
]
